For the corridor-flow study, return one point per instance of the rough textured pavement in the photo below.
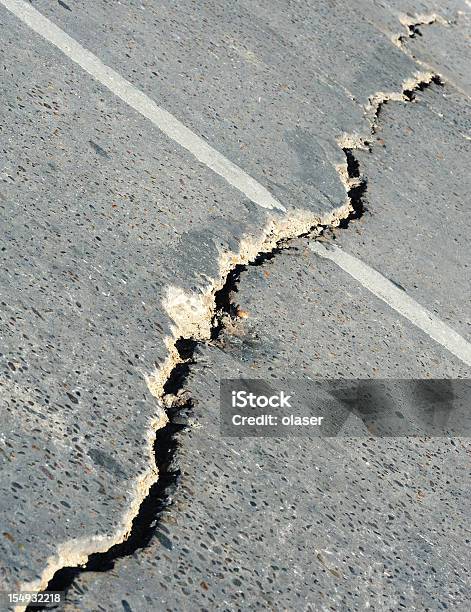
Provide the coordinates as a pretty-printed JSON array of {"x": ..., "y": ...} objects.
[
  {"x": 330, "y": 524},
  {"x": 416, "y": 229},
  {"x": 304, "y": 524},
  {"x": 115, "y": 238}
]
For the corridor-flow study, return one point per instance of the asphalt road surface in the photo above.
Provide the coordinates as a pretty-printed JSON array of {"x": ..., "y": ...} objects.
[{"x": 198, "y": 191}]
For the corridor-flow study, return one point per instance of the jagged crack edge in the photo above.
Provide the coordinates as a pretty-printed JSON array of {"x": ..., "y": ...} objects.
[{"x": 412, "y": 25}]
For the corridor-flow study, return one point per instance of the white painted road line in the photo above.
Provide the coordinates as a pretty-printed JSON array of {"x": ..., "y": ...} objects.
[
  {"x": 161, "y": 118},
  {"x": 398, "y": 300}
]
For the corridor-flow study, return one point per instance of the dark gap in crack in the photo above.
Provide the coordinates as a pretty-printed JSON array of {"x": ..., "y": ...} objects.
[
  {"x": 411, "y": 94},
  {"x": 353, "y": 165},
  {"x": 225, "y": 306},
  {"x": 357, "y": 189},
  {"x": 414, "y": 30},
  {"x": 223, "y": 298},
  {"x": 186, "y": 349}
]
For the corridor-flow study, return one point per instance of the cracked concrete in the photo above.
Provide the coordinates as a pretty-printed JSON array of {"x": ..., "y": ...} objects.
[
  {"x": 297, "y": 159},
  {"x": 413, "y": 24},
  {"x": 235, "y": 536},
  {"x": 441, "y": 44},
  {"x": 254, "y": 345},
  {"x": 426, "y": 140},
  {"x": 254, "y": 528}
]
